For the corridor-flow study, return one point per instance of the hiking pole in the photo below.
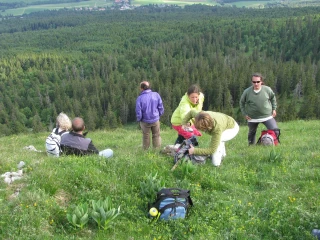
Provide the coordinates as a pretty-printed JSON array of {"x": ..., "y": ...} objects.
[
  {"x": 177, "y": 157},
  {"x": 175, "y": 165},
  {"x": 178, "y": 161}
]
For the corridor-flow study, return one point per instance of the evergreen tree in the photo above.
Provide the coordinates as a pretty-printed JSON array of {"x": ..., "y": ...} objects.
[
  {"x": 37, "y": 124},
  {"x": 111, "y": 118}
]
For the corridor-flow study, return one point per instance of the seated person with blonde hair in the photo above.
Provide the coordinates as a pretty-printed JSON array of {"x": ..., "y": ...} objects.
[
  {"x": 63, "y": 125},
  {"x": 220, "y": 126},
  {"x": 75, "y": 143}
]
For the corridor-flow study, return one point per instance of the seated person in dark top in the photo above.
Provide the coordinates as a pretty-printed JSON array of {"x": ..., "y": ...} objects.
[{"x": 75, "y": 143}]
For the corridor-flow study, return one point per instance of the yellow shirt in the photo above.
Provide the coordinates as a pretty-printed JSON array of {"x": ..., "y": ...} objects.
[{"x": 184, "y": 107}]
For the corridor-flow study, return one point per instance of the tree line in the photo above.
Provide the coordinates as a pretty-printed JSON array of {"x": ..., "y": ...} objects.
[{"x": 92, "y": 64}]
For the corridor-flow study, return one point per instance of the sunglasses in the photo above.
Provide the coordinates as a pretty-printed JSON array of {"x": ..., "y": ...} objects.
[{"x": 256, "y": 81}]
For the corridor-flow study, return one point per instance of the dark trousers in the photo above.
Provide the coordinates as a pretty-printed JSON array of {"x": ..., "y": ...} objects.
[
  {"x": 179, "y": 140},
  {"x": 270, "y": 124}
]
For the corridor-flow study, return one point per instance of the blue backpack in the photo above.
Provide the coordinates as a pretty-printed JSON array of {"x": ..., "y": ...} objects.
[{"x": 172, "y": 203}]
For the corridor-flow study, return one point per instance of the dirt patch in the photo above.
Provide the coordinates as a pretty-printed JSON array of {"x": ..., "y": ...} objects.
[{"x": 62, "y": 198}]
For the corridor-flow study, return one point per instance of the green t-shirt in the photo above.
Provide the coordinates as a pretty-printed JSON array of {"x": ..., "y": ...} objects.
[{"x": 258, "y": 105}]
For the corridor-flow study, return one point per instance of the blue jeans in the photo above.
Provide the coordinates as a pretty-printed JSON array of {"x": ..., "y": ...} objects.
[{"x": 270, "y": 124}]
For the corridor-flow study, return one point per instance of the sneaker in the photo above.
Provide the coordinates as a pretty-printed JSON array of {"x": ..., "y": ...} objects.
[{"x": 316, "y": 233}]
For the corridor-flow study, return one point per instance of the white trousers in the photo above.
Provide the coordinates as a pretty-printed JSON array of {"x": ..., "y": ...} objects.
[{"x": 221, "y": 151}]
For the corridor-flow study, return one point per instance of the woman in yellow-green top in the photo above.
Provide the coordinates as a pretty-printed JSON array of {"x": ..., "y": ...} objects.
[
  {"x": 220, "y": 126},
  {"x": 193, "y": 99}
]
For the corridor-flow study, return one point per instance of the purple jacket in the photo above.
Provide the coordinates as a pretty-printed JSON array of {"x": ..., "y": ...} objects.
[{"x": 149, "y": 106}]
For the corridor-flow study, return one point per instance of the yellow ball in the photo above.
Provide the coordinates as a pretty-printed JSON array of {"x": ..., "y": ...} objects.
[{"x": 153, "y": 212}]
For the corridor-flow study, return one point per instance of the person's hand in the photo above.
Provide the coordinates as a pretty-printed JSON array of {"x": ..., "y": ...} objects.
[
  {"x": 191, "y": 149},
  {"x": 248, "y": 118},
  {"x": 274, "y": 113}
]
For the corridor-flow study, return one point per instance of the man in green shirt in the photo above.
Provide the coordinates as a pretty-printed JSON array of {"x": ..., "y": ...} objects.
[{"x": 258, "y": 104}]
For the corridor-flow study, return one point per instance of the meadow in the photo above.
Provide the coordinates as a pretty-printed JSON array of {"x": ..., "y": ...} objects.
[
  {"x": 257, "y": 193},
  {"x": 42, "y": 7}
]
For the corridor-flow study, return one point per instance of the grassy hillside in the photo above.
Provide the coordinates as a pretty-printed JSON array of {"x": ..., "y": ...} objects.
[{"x": 257, "y": 193}]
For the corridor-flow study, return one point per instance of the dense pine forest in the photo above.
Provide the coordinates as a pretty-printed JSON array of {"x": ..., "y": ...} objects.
[{"x": 90, "y": 64}]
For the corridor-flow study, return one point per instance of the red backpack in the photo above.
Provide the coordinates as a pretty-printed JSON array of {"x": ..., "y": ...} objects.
[{"x": 269, "y": 137}]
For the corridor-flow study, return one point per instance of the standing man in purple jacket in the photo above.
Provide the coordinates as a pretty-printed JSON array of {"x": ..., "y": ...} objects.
[{"x": 149, "y": 108}]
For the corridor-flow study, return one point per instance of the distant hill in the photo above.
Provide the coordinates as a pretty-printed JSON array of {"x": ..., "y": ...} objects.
[{"x": 21, "y": 7}]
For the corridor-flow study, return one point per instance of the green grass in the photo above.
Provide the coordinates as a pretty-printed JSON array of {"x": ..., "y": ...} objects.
[
  {"x": 29, "y": 1},
  {"x": 176, "y": 2},
  {"x": 250, "y": 4},
  {"x": 250, "y": 196},
  {"x": 36, "y": 8}
]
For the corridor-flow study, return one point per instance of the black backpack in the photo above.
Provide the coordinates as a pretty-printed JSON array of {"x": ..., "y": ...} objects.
[{"x": 172, "y": 203}]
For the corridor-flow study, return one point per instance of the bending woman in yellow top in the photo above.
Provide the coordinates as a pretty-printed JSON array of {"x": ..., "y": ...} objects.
[
  {"x": 192, "y": 100},
  {"x": 220, "y": 126}
]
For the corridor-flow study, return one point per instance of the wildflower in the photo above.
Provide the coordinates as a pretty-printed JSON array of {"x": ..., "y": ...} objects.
[{"x": 292, "y": 199}]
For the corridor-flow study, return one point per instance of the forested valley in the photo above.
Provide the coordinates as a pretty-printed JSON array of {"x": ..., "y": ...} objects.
[{"x": 90, "y": 64}]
